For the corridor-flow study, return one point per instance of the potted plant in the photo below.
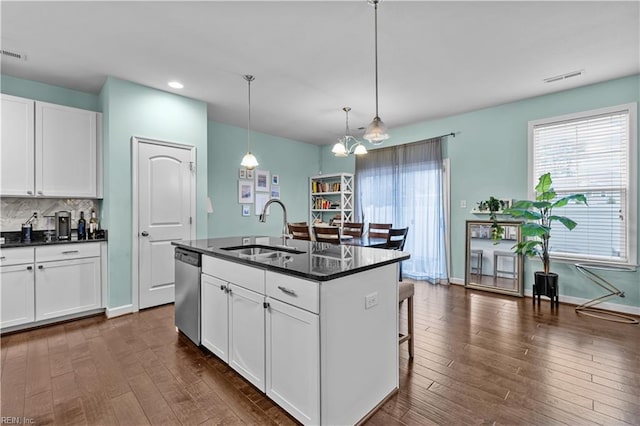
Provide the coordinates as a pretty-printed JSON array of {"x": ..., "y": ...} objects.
[
  {"x": 494, "y": 205},
  {"x": 538, "y": 218}
]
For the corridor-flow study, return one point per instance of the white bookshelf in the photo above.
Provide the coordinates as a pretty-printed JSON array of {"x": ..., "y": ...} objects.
[{"x": 329, "y": 196}]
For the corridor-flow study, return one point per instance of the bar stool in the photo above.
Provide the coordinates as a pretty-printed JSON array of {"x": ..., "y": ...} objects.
[
  {"x": 513, "y": 271},
  {"x": 477, "y": 268},
  {"x": 405, "y": 292}
]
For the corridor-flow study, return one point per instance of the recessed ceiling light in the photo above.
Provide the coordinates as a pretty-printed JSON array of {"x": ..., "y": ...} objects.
[{"x": 176, "y": 85}]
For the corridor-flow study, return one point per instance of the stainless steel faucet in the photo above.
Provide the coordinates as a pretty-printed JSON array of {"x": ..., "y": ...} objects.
[{"x": 263, "y": 218}]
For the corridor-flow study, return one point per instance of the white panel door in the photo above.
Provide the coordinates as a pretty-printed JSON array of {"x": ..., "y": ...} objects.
[
  {"x": 17, "y": 147},
  {"x": 164, "y": 215},
  {"x": 246, "y": 334},
  {"x": 16, "y": 293},
  {"x": 215, "y": 320},
  {"x": 66, "y": 146},
  {"x": 293, "y": 360},
  {"x": 67, "y": 287}
]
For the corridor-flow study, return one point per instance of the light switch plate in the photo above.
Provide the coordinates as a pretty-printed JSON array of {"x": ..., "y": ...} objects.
[{"x": 370, "y": 300}]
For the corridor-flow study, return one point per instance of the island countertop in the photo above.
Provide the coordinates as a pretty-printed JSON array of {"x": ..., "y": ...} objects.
[{"x": 306, "y": 259}]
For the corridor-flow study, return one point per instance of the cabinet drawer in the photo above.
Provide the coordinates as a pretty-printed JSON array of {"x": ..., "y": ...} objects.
[
  {"x": 242, "y": 275},
  {"x": 67, "y": 251},
  {"x": 295, "y": 291},
  {"x": 16, "y": 256}
]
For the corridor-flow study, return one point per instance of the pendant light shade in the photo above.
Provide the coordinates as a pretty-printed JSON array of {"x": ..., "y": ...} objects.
[
  {"x": 249, "y": 160},
  {"x": 376, "y": 132},
  {"x": 348, "y": 144}
]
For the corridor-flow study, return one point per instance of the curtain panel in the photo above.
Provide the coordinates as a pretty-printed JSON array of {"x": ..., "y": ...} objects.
[{"x": 403, "y": 185}]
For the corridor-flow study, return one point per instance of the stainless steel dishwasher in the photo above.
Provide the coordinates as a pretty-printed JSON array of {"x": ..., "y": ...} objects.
[{"x": 187, "y": 287}]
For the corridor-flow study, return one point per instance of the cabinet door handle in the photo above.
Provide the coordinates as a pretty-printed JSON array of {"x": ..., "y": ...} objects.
[
  {"x": 287, "y": 291},
  {"x": 40, "y": 267},
  {"x": 228, "y": 290},
  {"x": 3, "y": 257},
  {"x": 71, "y": 252},
  {"x": 40, "y": 193},
  {"x": 144, "y": 234},
  {"x": 29, "y": 192},
  {"x": 222, "y": 287},
  {"x": 266, "y": 305},
  {"x": 29, "y": 268}
]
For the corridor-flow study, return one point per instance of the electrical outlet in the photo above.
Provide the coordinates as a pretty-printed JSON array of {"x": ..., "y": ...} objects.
[
  {"x": 370, "y": 300},
  {"x": 463, "y": 204}
]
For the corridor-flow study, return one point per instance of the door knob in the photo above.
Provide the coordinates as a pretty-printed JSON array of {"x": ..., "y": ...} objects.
[{"x": 145, "y": 234}]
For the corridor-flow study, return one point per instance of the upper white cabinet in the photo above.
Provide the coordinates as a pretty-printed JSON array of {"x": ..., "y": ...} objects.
[
  {"x": 17, "y": 146},
  {"x": 50, "y": 150},
  {"x": 66, "y": 159}
]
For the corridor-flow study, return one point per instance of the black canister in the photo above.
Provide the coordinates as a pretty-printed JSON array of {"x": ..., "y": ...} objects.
[{"x": 25, "y": 235}]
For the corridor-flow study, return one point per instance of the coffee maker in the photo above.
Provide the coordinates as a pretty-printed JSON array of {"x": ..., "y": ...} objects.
[{"x": 63, "y": 225}]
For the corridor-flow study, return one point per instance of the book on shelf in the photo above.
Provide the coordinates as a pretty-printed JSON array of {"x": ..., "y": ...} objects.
[
  {"x": 325, "y": 186},
  {"x": 324, "y": 204}
]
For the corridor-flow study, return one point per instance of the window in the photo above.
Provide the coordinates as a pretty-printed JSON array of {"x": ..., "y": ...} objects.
[{"x": 593, "y": 153}]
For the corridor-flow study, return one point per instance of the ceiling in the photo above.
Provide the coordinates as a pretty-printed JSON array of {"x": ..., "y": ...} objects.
[{"x": 312, "y": 58}]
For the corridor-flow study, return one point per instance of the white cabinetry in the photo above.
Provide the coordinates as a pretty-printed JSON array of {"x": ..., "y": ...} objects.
[
  {"x": 66, "y": 160},
  {"x": 331, "y": 198},
  {"x": 16, "y": 287},
  {"x": 293, "y": 360},
  {"x": 302, "y": 341},
  {"x": 17, "y": 150},
  {"x": 49, "y": 282},
  {"x": 215, "y": 316},
  {"x": 50, "y": 150},
  {"x": 246, "y": 334}
]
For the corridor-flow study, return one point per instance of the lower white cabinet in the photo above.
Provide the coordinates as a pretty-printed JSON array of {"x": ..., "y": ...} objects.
[
  {"x": 17, "y": 293},
  {"x": 246, "y": 334},
  {"x": 215, "y": 319},
  {"x": 293, "y": 360},
  {"x": 49, "y": 281},
  {"x": 67, "y": 287}
]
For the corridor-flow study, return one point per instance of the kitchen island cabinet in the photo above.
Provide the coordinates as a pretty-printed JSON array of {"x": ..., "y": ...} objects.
[{"x": 319, "y": 338}]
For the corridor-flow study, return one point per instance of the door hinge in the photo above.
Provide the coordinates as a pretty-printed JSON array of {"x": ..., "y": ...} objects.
[
  {"x": 190, "y": 220},
  {"x": 192, "y": 166}
]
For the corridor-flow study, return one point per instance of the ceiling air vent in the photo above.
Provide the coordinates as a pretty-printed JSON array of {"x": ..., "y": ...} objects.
[
  {"x": 563, "y": 76},
  {"x": 14, "y": 54}
]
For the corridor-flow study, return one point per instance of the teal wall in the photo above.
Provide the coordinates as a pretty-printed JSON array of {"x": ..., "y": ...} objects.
[
  {"x": 48, "y": 93},
  {"x": 130, "y": 110},
  {"x": 293, "y": 161},
  {"x": 489, "y": 157}
]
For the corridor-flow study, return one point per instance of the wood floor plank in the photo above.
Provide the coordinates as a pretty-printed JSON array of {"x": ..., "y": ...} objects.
[
  {"x": 39, "y": 409},
  {"x": 128, "y": 410}
]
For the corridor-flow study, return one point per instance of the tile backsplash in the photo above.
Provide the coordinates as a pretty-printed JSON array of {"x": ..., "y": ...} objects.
[{"x": 15, "y": 211}]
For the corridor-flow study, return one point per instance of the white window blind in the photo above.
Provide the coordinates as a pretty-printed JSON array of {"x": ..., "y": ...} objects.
[{"x": 591, "y": 153}]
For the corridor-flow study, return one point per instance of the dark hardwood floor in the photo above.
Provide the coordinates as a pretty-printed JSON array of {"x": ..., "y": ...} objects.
[{"x": 480, "y": 358}]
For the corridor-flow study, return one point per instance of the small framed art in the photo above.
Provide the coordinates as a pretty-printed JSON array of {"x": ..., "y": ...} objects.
[
  {"x": 245, "y": 191},
  {"x": 246, "y": 209},
  {"x": 242, "y": 173},
  {"x": 275, "y": 179},
  {"x": 262, "y": 181}
]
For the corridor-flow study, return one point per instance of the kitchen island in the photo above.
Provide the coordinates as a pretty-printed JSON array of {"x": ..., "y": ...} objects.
[{"x": 313, "y": 325}]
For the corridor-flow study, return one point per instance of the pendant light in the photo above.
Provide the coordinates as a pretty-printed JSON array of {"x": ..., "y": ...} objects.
[
  {"x": 348, "y": 144},
  {"x": 249, "y": 160},
  {"x": 376, "y": 131}
]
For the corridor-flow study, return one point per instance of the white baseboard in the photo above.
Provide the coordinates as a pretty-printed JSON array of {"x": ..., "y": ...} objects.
[
  {"x": 119, "y": 310},
  {"x": 633, "y": 310}
]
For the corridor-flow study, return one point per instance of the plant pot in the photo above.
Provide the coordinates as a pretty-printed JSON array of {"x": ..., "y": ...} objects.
[{"x": 546, "y": 285}]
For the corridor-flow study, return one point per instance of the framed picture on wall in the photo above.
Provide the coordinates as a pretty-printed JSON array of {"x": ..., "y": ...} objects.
[
  {"x": 261, "y": 200},
  {"x": 262, "y": 181},
  {"x": 242, "y": 173},
  {"x": 246, "y": 209},
  {"x": 249, "y": 174},
  {"x": 275, "y": 192},
  {"x": 245, "y": 191},
  {"x": 275, "y": 180}
]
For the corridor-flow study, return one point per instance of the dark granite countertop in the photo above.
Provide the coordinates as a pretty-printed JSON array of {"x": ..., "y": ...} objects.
[
  {"x": 12, "y": 239},
  {"x": 306, "y": 259}
]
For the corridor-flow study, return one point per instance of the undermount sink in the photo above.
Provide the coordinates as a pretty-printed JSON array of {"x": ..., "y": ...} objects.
[{"x": 267, "y": 252}]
